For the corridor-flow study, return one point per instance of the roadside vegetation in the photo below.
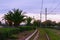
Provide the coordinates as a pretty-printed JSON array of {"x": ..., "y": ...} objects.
[
  {"x": 9, "y": 32},
  {"x": 53, "y": 34},
  {"x": 13, "y": 27},
  {"x": 42, "y": 34}
]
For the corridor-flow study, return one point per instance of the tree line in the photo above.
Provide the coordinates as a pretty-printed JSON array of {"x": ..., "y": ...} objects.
[{"x": 15, "y": 17}]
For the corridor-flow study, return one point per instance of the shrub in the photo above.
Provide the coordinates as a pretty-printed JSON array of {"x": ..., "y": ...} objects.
[
  {"x": 27, "y": 28},
  {"x": 7, "y": 32}
]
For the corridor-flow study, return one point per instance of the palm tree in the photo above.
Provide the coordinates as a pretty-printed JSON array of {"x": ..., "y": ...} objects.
[
  {"x": 8, "y": 18},
  {"x": 37, "y": 23},
  {"x": 15, "y": 17},
  {"x": 28, "y": 20}
]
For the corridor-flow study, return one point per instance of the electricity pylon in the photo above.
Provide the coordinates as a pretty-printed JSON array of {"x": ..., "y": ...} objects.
[{"x": 45, "y": 14}]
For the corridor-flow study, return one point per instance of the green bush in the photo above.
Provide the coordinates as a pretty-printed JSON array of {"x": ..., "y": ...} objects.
[
  {"x": 27, "y": 28},
  {"x": 7, "y": 32},
  {"x": 13, "y": 36}
]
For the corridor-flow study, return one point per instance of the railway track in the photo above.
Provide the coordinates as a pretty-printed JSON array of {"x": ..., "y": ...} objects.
[
  {"x": 37, "y": 35},
  {"x": 47, "y": 37},
  {"x": 43, "y": 35}
]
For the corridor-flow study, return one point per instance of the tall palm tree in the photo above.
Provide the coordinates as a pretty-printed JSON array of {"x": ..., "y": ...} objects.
[
  {"x": 37, "y": 23},
  {"x": 15, "y": 16},
  {"x": 28, "y": 20},
  {"x": 8, "y": 18}
]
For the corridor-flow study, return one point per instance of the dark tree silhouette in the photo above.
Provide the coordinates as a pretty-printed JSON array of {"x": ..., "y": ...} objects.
[
  {"x": 28, "y": 21},
  {"x": 37, "y": 23},
  {"x": 58, "y": 24},
  {"x": 15, "y": 17},
  {"x": 47, "y": 23}
]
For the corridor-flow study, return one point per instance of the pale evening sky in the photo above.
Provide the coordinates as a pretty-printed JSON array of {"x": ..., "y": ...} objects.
[{"x": 32, "y": 7}]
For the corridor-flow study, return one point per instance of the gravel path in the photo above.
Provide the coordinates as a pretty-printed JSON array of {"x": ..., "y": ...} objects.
[
  {"x": 24, "y": 35},
  {"x": 36, "y": 37}
]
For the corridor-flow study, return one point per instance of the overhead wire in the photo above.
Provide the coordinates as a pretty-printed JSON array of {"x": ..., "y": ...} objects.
[{"x": 55, "y": 7}]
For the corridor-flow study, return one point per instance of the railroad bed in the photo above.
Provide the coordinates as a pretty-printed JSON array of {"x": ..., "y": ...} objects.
[{"x": 42, "y": 34}]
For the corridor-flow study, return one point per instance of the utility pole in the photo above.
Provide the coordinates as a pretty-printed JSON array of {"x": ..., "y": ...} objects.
[
  {"x": 41, "y": 12},
  {"x": 45, "y": 14}
]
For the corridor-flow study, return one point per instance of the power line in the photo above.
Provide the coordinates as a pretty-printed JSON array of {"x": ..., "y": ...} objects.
[{"x": 55, "y": 7}]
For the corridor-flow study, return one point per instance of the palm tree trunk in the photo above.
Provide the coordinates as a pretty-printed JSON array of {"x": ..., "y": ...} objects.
[
  {"x": 9, "y": 23},
  {"x": 16, "y": 24}
]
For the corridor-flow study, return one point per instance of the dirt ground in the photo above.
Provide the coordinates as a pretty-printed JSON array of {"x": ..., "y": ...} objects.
[{"x": 23, "y": 35}]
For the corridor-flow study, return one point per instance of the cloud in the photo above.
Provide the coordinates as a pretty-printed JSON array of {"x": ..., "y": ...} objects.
[{"x": 54, "y": 17}]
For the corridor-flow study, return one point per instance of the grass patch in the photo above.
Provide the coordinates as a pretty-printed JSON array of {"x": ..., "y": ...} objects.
[
  {"x": 52, "y": 34},
  {"x": 42, "y": 34},
  {"x": 7, "y": 32},
  {"x": 14, "y": 36},
  {"x": 33, "y": 36}
]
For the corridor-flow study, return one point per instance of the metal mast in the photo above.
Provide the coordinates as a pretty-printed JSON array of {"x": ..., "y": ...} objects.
[
  {"x": 41, "y": 12},
  {"x": 45, "y": 14}
]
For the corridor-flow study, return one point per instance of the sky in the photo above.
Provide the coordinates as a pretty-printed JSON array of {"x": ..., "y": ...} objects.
[{"x": 32, "y": 7}]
